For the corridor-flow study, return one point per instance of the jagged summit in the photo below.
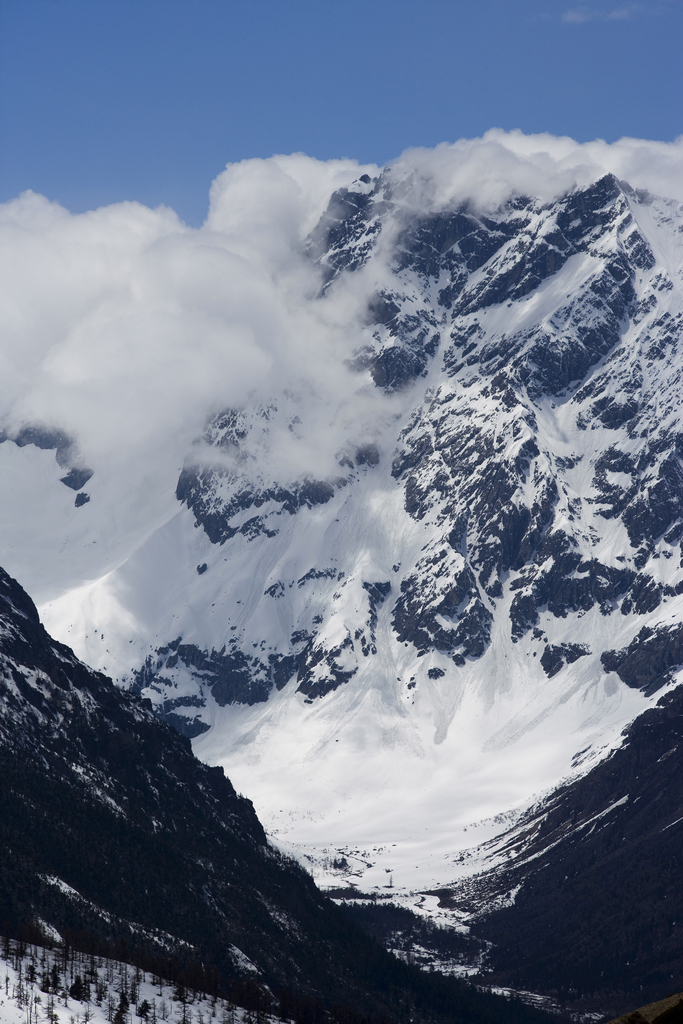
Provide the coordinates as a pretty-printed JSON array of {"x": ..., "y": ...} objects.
[{"x": 528, "y": 305}]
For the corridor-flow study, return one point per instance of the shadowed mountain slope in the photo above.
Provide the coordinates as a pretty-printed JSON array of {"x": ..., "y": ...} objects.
[
  {"x": 109, "y": 825},
  {"x": 586, "y": 901}
]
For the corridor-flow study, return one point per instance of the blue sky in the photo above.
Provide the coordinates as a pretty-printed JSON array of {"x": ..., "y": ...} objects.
[{"x": 104, "y": 100}]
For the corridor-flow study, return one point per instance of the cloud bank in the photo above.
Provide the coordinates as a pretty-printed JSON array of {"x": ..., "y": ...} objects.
[
  {"x": 488, "y": 170},
  {"x": 580, "y": 15},
  {"x": 126, "y": 329}
]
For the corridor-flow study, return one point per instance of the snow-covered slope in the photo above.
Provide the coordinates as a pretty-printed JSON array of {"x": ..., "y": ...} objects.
[
  {"x": 409, "y": 592},
  {"x": 37, "y": 982}
]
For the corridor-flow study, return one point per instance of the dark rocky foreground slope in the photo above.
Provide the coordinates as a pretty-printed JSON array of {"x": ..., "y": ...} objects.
[
  {"x": 109, "y": 826},
  {"x": 664, "y": 1011}
]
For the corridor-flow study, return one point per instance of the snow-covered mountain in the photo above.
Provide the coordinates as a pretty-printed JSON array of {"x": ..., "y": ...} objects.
[{"x": 409, "y": 591}]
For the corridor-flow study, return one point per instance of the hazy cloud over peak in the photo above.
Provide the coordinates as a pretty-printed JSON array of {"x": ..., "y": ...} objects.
[
  {"x": 126, "y": 328},
  {"x": 490, "y": 169}
]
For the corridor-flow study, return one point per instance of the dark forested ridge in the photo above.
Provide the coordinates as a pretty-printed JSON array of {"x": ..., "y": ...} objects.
[{"x": 111, "y": 828}]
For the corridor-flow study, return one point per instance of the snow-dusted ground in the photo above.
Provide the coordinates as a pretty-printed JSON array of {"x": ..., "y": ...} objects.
[
  {"x": 28, "y": 994},
  {"x": 25, "y": 998}
]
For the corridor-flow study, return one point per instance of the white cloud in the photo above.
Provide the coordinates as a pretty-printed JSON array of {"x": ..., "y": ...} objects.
[
  {"x": 126, "y": 328},
  {"x": 580, "y": 15},
  {"x": 487, "y": 170}
]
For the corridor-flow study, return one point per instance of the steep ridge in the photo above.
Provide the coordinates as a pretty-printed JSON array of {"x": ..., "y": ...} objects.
[
  {"x": 584, "y": 900},
  {"x": 490, "y": 583},
  {"x": 114, "y": 834}
]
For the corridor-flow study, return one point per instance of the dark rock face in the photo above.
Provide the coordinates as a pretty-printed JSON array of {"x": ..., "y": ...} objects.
[
  {"x": 64, "y": 448},
  {"x": 46, "y": 438},
  {"x": 647, "y": 662},
  {"x": 596, "y": 868},
  {"x": 477, "y": 481},
  {"x": 348, "y": 232},
  {"x": 555, "y": 658},
  {"x": 231, "y": 676},
  {"x": 330, "y": 660},
  {"x": 110, "y": 827},
  {"x": 562, "y": 581},
  {"x": 377, "y": 595},
  {"x": 466, "y": 631},
  {"x": 77, "y": 478},
  {"x": 198, "y": 484}
]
